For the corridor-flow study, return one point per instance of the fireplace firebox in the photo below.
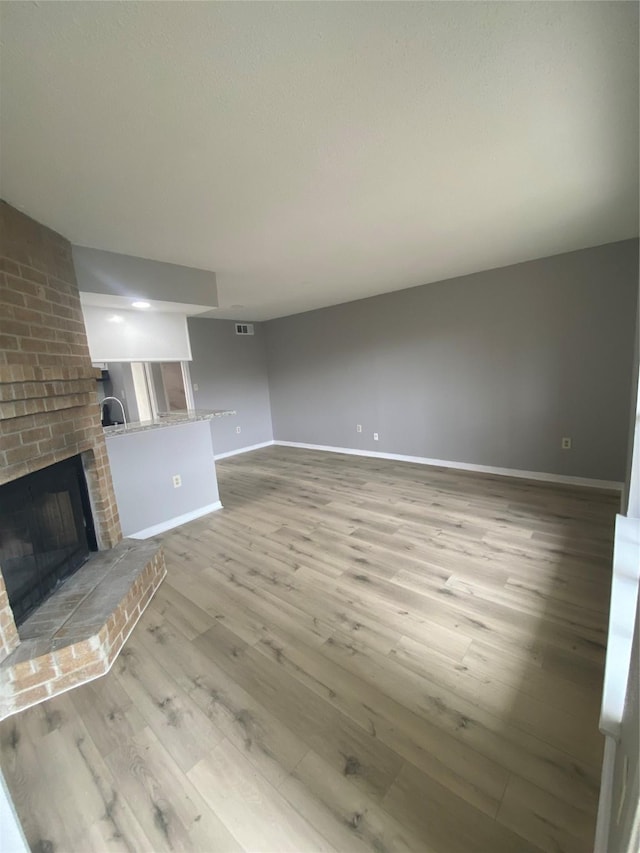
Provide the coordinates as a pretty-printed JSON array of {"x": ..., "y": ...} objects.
[{"x": 46, "y": 532}]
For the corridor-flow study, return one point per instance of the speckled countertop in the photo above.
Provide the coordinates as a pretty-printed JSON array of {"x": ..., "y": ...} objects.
[{"x": 165, "y": 419}]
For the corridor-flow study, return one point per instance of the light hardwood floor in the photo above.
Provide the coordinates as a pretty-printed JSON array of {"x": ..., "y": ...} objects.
[{"x": 355, "y": 655}]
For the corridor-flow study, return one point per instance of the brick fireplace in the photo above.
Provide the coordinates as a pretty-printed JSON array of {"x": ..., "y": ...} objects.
[{"x": 49, "y": 412}]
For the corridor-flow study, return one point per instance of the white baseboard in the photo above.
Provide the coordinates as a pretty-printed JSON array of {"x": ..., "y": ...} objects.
[
  {"x": 148, "y": 532},
  {"x": 242, "y": 450},
  {"x": 463, "y": 466}
]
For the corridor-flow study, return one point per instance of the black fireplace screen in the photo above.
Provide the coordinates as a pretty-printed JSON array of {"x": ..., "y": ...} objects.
[{"x": 46, "y": 532}]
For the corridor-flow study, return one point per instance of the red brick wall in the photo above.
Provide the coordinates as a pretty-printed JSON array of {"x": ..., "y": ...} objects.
[{"x": 48, "y": 403}]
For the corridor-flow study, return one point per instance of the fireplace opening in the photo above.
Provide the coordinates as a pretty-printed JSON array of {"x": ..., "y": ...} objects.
[{"x": 46, "y": 533}]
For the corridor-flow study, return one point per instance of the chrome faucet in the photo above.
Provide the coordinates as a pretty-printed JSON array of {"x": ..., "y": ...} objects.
[{"x": 124, "y": 417}]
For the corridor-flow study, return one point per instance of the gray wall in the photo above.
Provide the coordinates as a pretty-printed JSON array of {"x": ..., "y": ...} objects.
[
  {"x": 492, "y": 368},
  {"x": 231, "y": 373},
  {"x": 142, "y": 467},
  {"x": 98, "y": 271},
  {"x": 631, "y": 496}
]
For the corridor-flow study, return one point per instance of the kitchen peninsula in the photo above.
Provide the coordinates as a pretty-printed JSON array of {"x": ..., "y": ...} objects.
[{"x": 163, "y": 470}]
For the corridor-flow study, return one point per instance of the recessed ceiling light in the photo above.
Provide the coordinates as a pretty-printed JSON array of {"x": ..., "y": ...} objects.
[
  {"x": 140, "y": 303},
  {"x": 115, "y": 318}
]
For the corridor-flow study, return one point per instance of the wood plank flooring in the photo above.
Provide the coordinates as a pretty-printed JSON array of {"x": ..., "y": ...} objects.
[{"x": 355, "y": 655}]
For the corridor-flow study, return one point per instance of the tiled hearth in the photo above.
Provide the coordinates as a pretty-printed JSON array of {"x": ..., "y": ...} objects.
[
  {"x": 78, "y": 632},
  {"x": 49, "y": 412}
]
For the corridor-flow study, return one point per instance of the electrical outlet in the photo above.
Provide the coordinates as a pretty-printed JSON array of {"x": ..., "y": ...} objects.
[
  {"x": 237, "y": 429},
  {"x": 375, "y": 436},
  {"x": 177, "y": 481},
  {"x": 358, "y": 427},
  {"x": 196, "y": 387},
  {"x": 566, "y": 444}
]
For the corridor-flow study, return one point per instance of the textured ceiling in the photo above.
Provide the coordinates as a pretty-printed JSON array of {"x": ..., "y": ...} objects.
[{"x": 315, "y": 153}]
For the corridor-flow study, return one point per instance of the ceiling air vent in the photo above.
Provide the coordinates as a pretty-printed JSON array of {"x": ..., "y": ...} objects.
[{"x": 244, "y": 328}]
